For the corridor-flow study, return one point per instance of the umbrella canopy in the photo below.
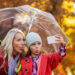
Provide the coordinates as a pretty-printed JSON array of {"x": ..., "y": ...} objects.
[{"x": 30, "y": 19}]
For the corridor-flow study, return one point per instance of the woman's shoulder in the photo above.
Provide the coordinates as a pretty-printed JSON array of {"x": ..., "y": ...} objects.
[
  {"x": 1, "y": 52},
  {"x": 1, "y": 56},
  {"x": 1, "y": 59}
]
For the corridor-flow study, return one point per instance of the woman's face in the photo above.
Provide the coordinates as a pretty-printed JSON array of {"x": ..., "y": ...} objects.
[
  {"x": 35, "y": 48},
  {"x": 18, "y": 44}
]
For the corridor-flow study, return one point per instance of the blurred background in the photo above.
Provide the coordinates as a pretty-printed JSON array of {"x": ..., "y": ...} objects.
[{"x": 64, "y": 13}]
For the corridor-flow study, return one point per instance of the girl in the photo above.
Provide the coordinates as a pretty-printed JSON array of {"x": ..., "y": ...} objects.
[
  {"x": 11, "y": 49},
  {"x": 40, "y": 64}
]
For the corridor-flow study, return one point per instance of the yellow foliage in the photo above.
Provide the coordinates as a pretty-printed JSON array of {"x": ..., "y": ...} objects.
[
  {"x": 51, "y": 7},
  {"x": 43, "y": 7},
  {"x": 38, "y": 3},
  {"x": 61, "y": 70},
  {"x": 69, "y": 21},
  {"x": 5, "y": 3},
  {"x": 43, "y": 1},
  {"x": 69, "y": 6},
  {"x": 68, "y": 71},
  {"x": 69, "y": 31},
  {"x": 26, "y": 0},
  {"x": 33, "y": 4}
]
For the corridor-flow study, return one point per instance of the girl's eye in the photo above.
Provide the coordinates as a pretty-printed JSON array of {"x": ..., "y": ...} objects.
[
  {"x": 33, "y": 44},
  {"x": 39, "y": 43}
]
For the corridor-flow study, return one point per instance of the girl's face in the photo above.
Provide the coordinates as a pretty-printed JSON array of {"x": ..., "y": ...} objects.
[
  {"x": 35, "y": 48},
  {"x": 18, "y": 44}
]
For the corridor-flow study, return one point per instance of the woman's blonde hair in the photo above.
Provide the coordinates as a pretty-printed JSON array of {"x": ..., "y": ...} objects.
[{"x": 7, "y": 44}]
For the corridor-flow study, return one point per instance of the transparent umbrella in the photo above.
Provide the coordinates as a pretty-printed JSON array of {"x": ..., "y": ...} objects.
[{"x": 30, "y": 19}]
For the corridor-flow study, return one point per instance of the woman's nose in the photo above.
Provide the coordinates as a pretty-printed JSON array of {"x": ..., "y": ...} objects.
[{"x": 22, "y": 42}]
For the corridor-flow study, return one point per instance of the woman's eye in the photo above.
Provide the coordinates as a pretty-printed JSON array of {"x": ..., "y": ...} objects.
[
  {"x": 19, "y": 40},
  {"x": 23, "y": 39}
]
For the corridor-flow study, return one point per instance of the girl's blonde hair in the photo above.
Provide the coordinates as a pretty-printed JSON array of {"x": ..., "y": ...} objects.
[{"x": 7, "y": 44}]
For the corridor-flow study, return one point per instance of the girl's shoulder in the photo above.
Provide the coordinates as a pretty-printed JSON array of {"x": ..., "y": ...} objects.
[
  {"x": 26, "y": 59},
  {"x": 46, "y": 54},
  {"x": 49, "y": 55}
]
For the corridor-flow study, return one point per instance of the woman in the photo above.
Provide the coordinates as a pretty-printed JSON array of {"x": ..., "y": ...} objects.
[
  {"x": 11, "y": 49},
  {"x": 40, "y": 64}
]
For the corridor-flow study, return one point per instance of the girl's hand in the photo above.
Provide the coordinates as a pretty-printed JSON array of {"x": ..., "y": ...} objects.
[
  {"x": 55, "y": 39},
  {"x": 62, "y": 47},
  {"x": 59, "y": 39}
]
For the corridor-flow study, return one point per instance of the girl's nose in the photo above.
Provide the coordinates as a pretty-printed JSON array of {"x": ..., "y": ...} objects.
[{"x": 37, "y": 46}]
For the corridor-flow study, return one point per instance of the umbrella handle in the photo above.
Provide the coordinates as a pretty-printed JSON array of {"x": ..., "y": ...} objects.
[{"x": 33, "y": 17}]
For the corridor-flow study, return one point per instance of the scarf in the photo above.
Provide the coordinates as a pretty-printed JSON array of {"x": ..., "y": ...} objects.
[
  {"x": 11, "y": 69},
  {"x": 35, "y": 62}
]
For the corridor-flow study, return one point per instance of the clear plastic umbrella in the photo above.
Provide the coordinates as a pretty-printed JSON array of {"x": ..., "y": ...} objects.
[{"x": 30, "y": 19}]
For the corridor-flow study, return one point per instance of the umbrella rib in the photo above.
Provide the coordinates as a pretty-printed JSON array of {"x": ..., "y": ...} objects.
[
  {"x": 46, "y": 27},
  {"x": 19, "y": 10},
  {"x": 42, "y": 19},
  {"x": 43, "y": 29},
  {"x": 6, "y": 19},
  {"x": 5, "y": 9}
]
